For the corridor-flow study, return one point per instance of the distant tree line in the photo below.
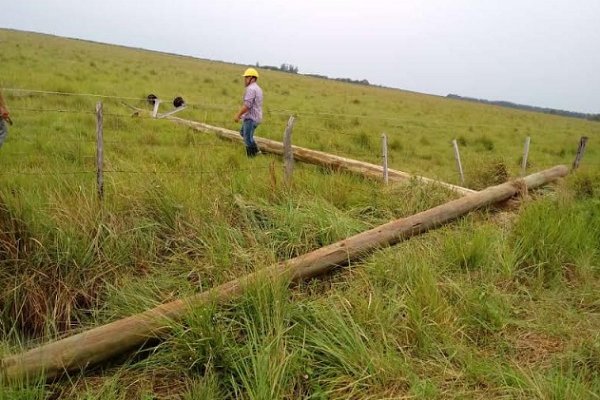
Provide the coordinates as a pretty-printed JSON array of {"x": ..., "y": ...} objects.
[
  {"x": 348, "y": 80},
  {"x": 289, "y": 68},
  {"x": 293, "y": 69},
  {"x": 508, "y": 104}
]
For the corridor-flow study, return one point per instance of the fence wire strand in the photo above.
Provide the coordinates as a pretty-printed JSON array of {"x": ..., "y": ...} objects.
[
  {"x": 374, "y": 153},
  {"x": 286, "y": 112}
]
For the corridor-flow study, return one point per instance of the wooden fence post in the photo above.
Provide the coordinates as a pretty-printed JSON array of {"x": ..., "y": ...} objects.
[
  {"x": 155, "y": 110},
  {"x": 458, "y": 163},
  {"x": 525, "y": 156},
  {"x": 288, "y": 152},
  {"x": 99, "y": 150},
  {"x": 384, "y": 149},
  {"x": 580, "y": 150}
]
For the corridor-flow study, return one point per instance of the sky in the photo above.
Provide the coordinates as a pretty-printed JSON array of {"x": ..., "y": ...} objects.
[{"x": 537, "y": 52}]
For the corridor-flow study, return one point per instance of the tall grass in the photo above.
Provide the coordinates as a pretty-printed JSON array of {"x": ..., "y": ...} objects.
[
  {"x": 558, "y": 239},
  {"x": 497, "y": 305}
]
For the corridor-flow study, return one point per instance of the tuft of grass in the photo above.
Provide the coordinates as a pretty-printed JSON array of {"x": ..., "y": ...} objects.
[
  {"x": 363, "y": 141},
  {"x": 485, "y": 173},
  {"x": 485, "y": 143},
  {"x": 585, "y": 185},
  {"x": 206, "y": 387},
  {"x": 341, "y": 358},
  {"x": 556, "y": 239},
  {"x": 462, "y": 141},
  {"x": 471, "y": 251}
]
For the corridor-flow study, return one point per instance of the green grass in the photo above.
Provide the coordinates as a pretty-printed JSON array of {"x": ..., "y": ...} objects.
[{"x": 500, "y": 304}]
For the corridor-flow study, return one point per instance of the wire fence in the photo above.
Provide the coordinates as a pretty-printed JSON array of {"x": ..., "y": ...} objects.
[
  {"x": 368, "y": 149},
  {"x": 322, "y": 115}
]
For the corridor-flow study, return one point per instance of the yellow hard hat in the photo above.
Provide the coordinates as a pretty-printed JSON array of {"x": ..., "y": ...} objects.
[{"x": 251, "y": 72}]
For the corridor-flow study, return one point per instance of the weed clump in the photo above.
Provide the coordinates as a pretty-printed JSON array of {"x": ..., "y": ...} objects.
[
  {"x": 396, "y": 145},
  {"x": 487, "y": 174},
  {"x": 363, "y": 141},
  {"x": 585, "y": 185},
  {"x": 553, "y": 240},
  {"x": 485, "y": 142}
]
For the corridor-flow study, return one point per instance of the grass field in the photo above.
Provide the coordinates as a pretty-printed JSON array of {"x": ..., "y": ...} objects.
[{"x": 497, "y": 305}]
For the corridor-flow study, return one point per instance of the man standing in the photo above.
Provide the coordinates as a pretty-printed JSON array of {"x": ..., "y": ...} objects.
[
  {"x": 251, "y": 112},
  {"x": 4, "y": 116}
]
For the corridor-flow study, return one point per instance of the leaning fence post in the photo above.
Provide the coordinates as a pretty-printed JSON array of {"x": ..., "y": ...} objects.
[
  {"x": 99, "y": 150},
  {"x": 288, "y": 153},
  {"x": 580, "y": 150},
  {"x": 155, "y": 110},
  {"x": 384, "y": 155},
  {"x": 525, "y": 156},
  {"x": 458, "y": 163}
]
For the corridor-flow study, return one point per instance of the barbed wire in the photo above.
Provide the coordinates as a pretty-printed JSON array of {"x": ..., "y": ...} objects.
[
  {"x": 362, "y": 135},
  {"x": 33, "y": 140},
  {"x": 51, "y": 110},
  {"x": 182, "y": 145},
  {"x": 39, "y": 91},
  {"x": 194, "y": 105},
  {"x": 134, "y": 115},
  {"x": 391, "y": 134},
  {"x": 339, "y": 152},
  {"x": 218, "y": 172},
  {"x": 356, "y": 187},
  {"x": 199, "y": 141},
  {"x": 46, "y": 173},
  {"x": 138, "y": 142},
  {"x": 287, "y": 112},
  {"x": 347, "y": 153},
  {"x": 85, "y": 112},
  {"x": 187, "y": 172},
  {"x": 358, "y": 135},
  {"x": 313, "y": 130}
]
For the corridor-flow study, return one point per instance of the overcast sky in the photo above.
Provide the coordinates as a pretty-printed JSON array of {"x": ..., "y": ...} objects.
[{"x": 537, "y": 52}]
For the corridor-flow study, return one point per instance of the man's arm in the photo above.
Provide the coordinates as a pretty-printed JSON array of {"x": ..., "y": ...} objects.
[
  {"x": 242, "y": 111},
  {"x": 249, "y": 97}
]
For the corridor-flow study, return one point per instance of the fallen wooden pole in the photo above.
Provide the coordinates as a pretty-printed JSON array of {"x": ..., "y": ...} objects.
[
  {"x": 104, "y": 342},
  {"x": 321, "y": 158}
]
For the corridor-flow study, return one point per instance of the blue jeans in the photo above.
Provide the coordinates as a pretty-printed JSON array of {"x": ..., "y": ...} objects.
[
  {"x": 3, "y": 131},
  {"x": 247, "y": 132}
]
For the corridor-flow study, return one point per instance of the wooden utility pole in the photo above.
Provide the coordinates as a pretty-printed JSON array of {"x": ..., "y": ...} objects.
[
  {"x": 320, "y": 158},
  {"x": 104, "y": 342}
]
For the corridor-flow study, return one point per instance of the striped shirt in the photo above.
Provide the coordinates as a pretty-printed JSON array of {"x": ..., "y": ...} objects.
[{"x": 253, "y": 99}]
